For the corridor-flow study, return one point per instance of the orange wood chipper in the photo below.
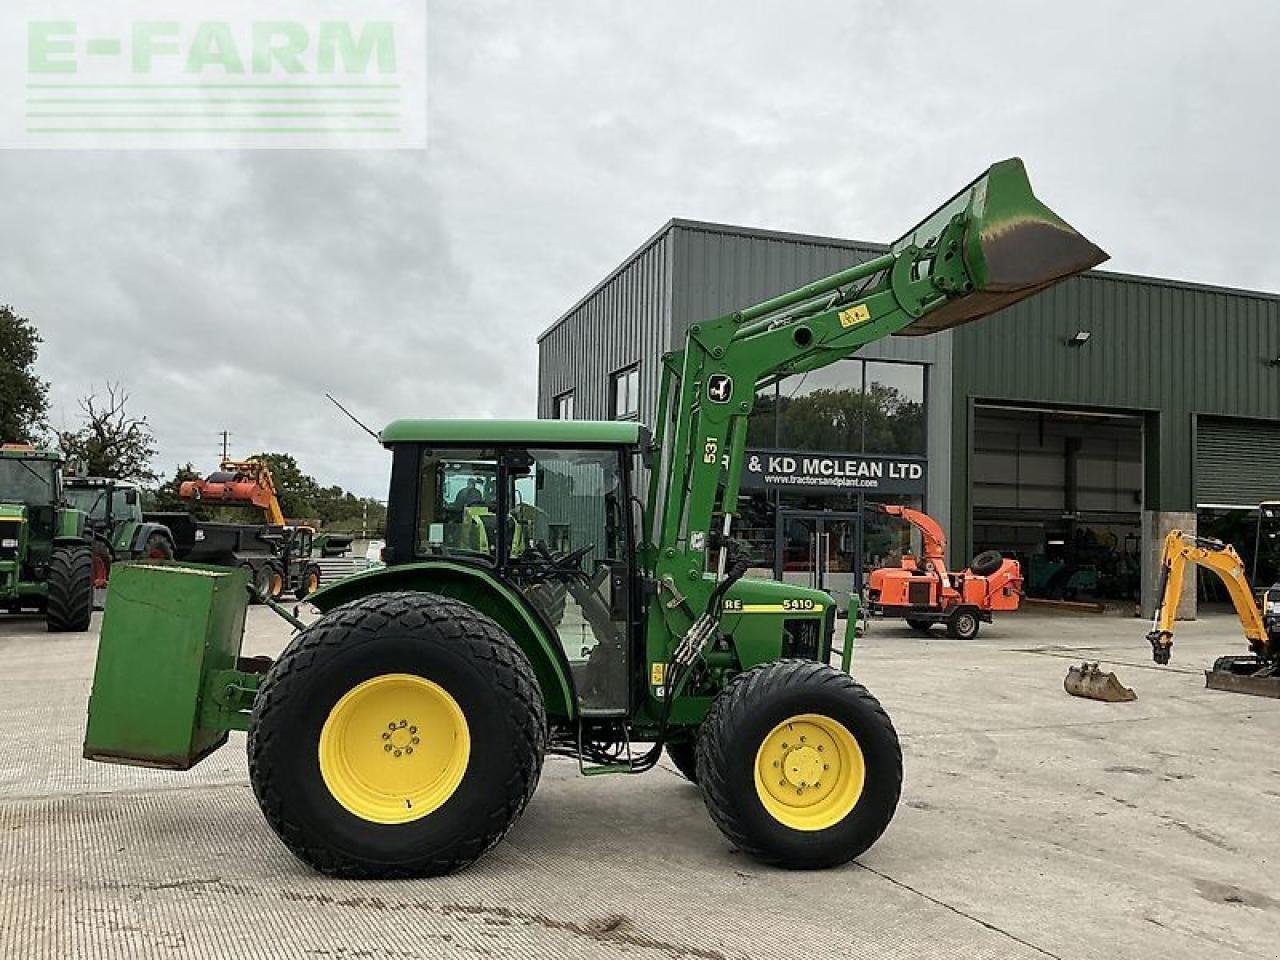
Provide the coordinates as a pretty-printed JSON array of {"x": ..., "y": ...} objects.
[{"x": 924, "y": 593}]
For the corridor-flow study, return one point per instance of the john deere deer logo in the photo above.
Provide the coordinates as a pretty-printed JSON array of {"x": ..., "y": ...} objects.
[{"x": 719, "y": 388}]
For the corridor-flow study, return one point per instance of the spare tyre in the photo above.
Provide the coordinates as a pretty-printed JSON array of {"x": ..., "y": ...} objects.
[{"x": 987, "y": 563}]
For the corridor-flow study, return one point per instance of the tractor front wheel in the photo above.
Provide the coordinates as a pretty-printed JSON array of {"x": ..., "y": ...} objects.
[
  {"x": 158, "y": 547},
  {"x": 400, "y": 735},
  {"x": 799, "y": 765},
  {"x": 69, "y": 606}
]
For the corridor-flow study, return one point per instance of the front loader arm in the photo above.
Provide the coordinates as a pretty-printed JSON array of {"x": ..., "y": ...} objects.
[
  {"x": 1182, "y": 549},
  {"x": 991, "y": 245}
]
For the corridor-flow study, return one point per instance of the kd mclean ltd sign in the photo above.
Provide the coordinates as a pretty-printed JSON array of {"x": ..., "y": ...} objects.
[{"x": 833, "y": 472}]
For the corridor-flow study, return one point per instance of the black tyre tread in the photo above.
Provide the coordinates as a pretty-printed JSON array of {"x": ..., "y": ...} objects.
[
  {"x": 356, "y": 623},
  {"x": 743, "y": 691},
  {"x": 683, "y": 755},
  {"x": 69, "y": 608},
  {"x": 920, "y": 626}
]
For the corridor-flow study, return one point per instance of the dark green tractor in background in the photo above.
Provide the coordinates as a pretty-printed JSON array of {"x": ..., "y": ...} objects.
[
  {"x": 119, "y": 531},
  {"x": 46, "y": 554}
]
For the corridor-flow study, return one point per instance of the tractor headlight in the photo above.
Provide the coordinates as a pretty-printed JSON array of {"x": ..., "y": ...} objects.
[{"x": 9, "y": 544}]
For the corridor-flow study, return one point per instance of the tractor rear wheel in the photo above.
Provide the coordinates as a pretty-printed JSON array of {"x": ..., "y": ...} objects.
[
  {"x": 400, "y": 735},
  {"x": 69, "y": 606},
  {"x": 684, "y": 756},
  {"x": 799, "y": 765},
  {"x": 309, "y": 583}
]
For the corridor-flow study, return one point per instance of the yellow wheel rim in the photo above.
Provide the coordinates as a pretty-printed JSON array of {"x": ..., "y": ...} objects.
[
  {"x": 277, "y": 584},
  {"x": 313, "y": 583},
  {"x": 809, "y": 772},
  {"x": 394, "y": 748}
]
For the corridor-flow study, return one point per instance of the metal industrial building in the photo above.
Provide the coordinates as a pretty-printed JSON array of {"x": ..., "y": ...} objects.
[{"x": 1071, "y": 430}]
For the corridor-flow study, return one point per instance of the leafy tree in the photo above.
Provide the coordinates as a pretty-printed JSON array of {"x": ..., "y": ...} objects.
[
  {"x": 112, "y": 442},
  {"x": 23, "y": 396}
]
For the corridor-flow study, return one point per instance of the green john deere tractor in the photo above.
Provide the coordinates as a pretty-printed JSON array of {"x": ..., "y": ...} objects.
[
  {"x": 46, "y": 561},
  {"x": 403, "y": 732}
]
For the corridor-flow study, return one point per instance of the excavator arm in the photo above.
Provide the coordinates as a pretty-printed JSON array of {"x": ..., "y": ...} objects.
[{"x": 1182, "y": 549}]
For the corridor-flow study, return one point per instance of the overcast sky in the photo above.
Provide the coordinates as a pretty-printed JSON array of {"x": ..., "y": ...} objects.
[{"x": 229, "y": 290}]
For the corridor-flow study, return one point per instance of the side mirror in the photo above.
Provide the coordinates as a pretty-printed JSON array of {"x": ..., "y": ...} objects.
[{"x": 131, "y": 497}]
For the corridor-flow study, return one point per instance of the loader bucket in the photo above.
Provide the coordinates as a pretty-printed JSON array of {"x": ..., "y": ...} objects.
[
  {"x": 1014, "y": 246},
  {"x": 1092, "y": 683}
]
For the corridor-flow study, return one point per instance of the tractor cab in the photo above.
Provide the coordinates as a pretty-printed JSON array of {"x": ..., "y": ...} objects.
[
  {"x": 30, "y": 492},
  {"x": 545, "y": 507},
  {"x": 107, "y": 504}
]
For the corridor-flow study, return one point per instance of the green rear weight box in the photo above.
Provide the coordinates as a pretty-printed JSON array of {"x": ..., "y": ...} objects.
[{"x": 167, "y": 687}]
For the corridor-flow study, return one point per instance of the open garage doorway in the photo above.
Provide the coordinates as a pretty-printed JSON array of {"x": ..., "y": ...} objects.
[{"x": 1061, "y": 491}]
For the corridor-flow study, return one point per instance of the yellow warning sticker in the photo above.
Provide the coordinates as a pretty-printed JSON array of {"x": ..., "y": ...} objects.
[
  {"x": 854, "y": 315},
  {"x": 658, "y": 674}
]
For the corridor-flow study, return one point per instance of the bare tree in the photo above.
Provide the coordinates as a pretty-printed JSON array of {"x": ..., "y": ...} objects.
[{"x": 112, "y": 442}]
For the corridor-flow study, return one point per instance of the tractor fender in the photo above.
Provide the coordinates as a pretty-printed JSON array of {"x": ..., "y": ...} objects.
[
  {"x": 487, "y": 593},
  {"x": 72, "y": 541}
]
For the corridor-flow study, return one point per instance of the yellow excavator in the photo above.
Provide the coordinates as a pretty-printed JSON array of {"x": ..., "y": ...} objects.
[{"x": 1257, "y": 673}]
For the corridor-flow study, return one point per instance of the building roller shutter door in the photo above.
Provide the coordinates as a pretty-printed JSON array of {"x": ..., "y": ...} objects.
[{"x": 1237, "y": 462}]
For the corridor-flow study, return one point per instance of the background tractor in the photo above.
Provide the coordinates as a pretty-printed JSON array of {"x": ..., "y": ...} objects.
[
  {"x": 113, "y": 511},
  {"x": 403, "y": 732},
  {"x": 46, "y": 561}
]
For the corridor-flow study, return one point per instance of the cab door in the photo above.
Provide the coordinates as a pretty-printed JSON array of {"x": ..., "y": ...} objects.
[{"x": 567, "y": 545}]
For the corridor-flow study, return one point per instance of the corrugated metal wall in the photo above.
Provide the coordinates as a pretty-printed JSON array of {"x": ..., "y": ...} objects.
[
  {"x": 1237, "y": 462},
  {"x": 1168, "y": 351},
  {"x": 621, "y": 322}
]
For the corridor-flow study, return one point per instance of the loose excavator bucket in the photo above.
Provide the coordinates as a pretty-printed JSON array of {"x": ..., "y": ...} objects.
[
  {"x": 1088, "y": 681},
  {"x": 1013, "y": 245}
]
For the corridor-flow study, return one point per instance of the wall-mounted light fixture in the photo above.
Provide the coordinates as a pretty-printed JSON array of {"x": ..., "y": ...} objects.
[{"x": 1080, "y": 339}]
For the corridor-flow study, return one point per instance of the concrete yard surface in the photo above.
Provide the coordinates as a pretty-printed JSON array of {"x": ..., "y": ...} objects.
[{"x": 1032, "y": 825}]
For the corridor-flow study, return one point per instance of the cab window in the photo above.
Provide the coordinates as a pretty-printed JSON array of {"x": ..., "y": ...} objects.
[{"x": 458, "y": 503}]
